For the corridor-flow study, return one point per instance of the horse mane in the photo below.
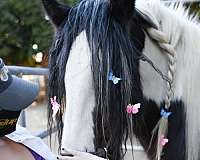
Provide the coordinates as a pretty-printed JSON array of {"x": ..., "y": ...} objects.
[
  {"x": 112, "y": 51},
  {"x": 178, "y": 9},
  {"x": 184, "y": 12}
]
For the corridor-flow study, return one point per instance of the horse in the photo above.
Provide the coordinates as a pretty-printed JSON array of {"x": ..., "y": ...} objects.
[{"x": 124, "y": 69}]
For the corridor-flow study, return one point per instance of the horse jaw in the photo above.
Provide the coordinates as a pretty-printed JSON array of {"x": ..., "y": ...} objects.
[{"x": 80, "y": 98}]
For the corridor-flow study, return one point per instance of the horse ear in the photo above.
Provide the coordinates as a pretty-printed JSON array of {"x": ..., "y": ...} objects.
[
  {"x": 56, "y": 12},
  {"x": 122, "y": 10}
]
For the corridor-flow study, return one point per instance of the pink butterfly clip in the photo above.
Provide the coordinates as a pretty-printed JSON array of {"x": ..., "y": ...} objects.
[
  {"x": 133, "y": 109},
  {"x": 55, "y": 106},
  {"x": 163, "y": 140}
]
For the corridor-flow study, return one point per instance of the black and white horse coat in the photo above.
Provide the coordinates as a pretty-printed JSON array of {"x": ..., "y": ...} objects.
[{"x": 99, "y": 36}]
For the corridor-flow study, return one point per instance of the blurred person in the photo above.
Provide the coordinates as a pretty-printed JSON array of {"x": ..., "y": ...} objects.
[{"x": 16, "y": 143}]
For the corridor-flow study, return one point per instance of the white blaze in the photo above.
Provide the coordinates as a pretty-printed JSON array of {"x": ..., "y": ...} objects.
[{"x": 80, "y": 99}]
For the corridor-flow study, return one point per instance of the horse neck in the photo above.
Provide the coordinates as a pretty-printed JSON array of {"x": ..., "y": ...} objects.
[{"x": 184, "y": 36}]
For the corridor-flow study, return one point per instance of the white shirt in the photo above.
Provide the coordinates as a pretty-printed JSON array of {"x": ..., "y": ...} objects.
[{"x": 21, "y": 135}]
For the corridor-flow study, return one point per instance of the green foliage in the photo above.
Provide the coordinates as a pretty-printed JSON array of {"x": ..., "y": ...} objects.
[
  {"x": 194, "y": 8},
  {"x": 22, "y": 25}
]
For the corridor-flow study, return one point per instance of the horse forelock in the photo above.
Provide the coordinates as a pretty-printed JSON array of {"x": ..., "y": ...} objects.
[{"x": 111, "y": 50}]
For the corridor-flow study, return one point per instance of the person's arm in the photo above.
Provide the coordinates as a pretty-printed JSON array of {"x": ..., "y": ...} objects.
[{"x": 76, "y": 155}]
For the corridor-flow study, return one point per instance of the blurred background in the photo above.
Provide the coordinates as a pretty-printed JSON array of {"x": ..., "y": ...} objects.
[
  {"x": 25, "y": 38},
  {"x": 25, "y": 32}
]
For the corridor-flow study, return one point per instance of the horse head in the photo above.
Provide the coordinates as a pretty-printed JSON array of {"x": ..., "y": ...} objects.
[
  {"x": 94, "y": 67},
  {"x": 98, "y": 72}
]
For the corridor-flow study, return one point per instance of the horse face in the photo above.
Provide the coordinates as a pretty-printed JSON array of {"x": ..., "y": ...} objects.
[{"x": 94, "y": 42}]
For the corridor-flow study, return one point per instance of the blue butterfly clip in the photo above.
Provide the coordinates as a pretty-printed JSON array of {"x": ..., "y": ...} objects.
[
  {"x": 165, "y": 114},
  {"x": 113, "y": 78}
]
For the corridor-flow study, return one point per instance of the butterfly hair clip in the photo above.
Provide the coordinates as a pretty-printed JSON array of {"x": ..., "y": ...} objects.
[
  {"x": 55, "y": 106},
  {"x": 164, "y": 113},
  {"x": 113, "y": 78},
  {"x": 133, "y": 109},
  {"x": 163, "y": 140}
]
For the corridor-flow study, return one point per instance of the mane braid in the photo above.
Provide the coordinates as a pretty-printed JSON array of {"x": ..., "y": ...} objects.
[
  {"x": 168, "y": 48},
  {"x": 112, "y": 50}
]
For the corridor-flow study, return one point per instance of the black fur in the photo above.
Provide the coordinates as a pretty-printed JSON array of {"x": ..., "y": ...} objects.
[
  {"x": 57, "y": 12},
  {"x": 146, "y": 121},
  {"x": 122, "y": 10},
  {"x": 176, "y": 148}
]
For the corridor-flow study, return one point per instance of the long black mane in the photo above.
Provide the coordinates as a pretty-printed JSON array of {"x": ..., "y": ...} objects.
[{"x": 112, "y": 51}]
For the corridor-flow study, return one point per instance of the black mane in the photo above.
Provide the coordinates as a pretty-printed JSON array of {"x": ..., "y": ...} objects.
[{"x": 113, "y": 49}]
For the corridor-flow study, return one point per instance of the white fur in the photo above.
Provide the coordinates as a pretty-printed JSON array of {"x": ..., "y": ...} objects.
[
  {"x": 78, "y": 123},
  {"x": 184, "y": 35},
  {"x": 154, "y": 87}
]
